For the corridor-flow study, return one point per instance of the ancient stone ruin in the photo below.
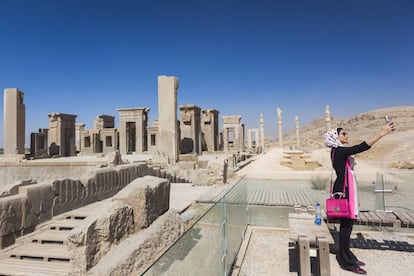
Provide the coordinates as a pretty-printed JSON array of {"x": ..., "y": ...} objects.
[{"x": 90, "y": 208}]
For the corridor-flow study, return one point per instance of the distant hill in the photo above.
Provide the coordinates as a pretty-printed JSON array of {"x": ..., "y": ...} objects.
[{"x": 398, "y": 146}]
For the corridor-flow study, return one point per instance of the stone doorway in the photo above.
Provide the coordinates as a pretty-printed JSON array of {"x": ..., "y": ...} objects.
[{"x": 131, "y": 137}]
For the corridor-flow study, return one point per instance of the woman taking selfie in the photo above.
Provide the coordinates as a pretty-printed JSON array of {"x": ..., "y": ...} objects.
[{"x": 343, "y": 164}]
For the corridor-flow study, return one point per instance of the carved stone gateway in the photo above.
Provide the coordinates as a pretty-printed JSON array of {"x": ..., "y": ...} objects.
[
  {"x": 39, "y": 142},
  {"x": 190, "y": 126},
  {"x": 233, "y": 133},
  {"x": 62, "y": 134},
  {"x": 253, "y": 138},
  {"x": 14, "y": 121},
  {"x": 209, "y": 130},
  {"x": 153, "y": 137},
  {"x": 133, "y": 130},
  {"x": 102, "y": 138}
]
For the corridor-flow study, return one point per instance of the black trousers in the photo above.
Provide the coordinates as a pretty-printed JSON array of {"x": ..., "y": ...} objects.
[{"x": 346, "y": 259}]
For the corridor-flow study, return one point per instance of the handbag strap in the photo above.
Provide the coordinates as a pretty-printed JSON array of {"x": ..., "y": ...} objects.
[{"x": 345, "y": 177}]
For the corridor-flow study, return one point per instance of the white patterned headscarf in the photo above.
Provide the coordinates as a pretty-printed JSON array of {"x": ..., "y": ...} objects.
[{"x": 332, "y": 139}]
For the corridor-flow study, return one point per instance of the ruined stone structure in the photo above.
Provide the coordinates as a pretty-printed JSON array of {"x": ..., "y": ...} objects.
[
  {"x": 253, "y": 138},
  {"x": 133, "y": 130},
  {"x": 104, "y": 121},
  {"x": 262, "y": 136},
  {"x": 152, "y": 132},
  {"x": 14, "y": 121},
  {"x": 298, "y": 160},
  {"x": 140, "y": 202},
  {"x": 168, "y": 142},
  {"x": 233, "y": 133},
  {"x": 327, "y": 118},
  {"x": 209, "y": 130},
  {"x": 109, "y": 139},
  {"x": 190, "y": 126},
  {"x": 62, "y": 134},
  {"x": 39, "y": 143},
  {"x": 103, "y": 138},
  {"x": 90, "y": 142},
  {"x": 279, "y": 126}
]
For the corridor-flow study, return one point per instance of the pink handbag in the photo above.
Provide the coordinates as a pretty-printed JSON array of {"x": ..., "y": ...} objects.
[{"x": 337, "y": 207}]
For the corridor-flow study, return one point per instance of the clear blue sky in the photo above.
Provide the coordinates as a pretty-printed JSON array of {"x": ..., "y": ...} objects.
[{"x": 90, "y": 57}]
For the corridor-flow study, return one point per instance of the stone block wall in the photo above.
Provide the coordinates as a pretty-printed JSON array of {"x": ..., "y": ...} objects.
[
  {"x": 136, "y": 252},
  {"x": 10, "y": 219},
  {"x": 149, "y": 196},
  {"x": 89, "y": 242},
  {"x": 133, "y": 208}
]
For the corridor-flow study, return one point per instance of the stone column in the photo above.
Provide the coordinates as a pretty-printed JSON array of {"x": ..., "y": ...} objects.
[
  {"x": 327, "y": 118},
  {"x": 242, "y": 134},
  {"x": 297, "y": 131},
  {"x": 262, "y": 138},
  {"x": 167, "y": 118},
  {"x": 249, "y": 138},
  {"x": 14, "y": 122},
  {"x": 79, "y": 128},
  {"x": 279, "y": 126},
  {"x": 250, "y": 133},
  {"x": 225, "y": 139}
]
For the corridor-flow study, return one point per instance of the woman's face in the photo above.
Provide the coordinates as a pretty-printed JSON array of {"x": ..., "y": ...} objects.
[{"x": 343, "y": 137}]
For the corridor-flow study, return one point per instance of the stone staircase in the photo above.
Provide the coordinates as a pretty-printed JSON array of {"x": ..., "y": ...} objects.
[{"x": 45, "y": 251}]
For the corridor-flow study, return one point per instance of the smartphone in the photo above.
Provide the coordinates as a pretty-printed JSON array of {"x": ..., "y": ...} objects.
[{"x": 388, "y": 118}]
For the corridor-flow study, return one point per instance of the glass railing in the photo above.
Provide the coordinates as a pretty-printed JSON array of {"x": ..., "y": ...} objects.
[
  {"x": 211, "y": 245},
  {"x": 198, "y": 252}
]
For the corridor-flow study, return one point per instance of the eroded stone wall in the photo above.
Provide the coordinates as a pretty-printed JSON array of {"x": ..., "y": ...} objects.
[{"x": 24, "y": 205}]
